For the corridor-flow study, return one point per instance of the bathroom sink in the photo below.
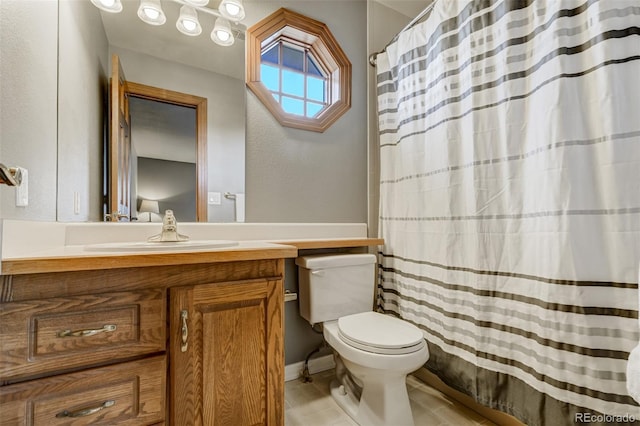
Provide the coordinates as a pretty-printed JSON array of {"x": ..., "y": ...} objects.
[{"x": 161, "y": 246}]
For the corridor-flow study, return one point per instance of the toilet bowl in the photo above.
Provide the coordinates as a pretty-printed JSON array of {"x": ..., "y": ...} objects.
[{"x": 374, "y": 352}]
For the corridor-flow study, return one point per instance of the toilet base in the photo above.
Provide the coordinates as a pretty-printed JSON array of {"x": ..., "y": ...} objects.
[
  {"x": 345, "y": 400},
  {"x": 394, "y": 400},
  {"x": 385, "y": 401}
]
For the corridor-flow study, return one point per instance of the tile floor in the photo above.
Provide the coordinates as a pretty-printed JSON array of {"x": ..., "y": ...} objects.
[{"x": 310, "y": 404}]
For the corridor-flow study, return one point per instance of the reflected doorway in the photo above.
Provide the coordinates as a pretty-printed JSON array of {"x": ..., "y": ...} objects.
[
  {"x": 122, "y": 198},
  {"x": 163, "y": 160}
]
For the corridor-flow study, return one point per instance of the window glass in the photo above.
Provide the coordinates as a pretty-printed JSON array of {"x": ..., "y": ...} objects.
[
  {"x": 292, "y": 83},
  {"x": 312, "y": 68},
  {"x": 313, "y": 109},
  {"x": 292, "y": 106},
  {"x": 271, "y": 56},
  {"x": 294, "y": 79},
  {"x": 293, "y": 58},
  {"x": 270, "y": 77},
  {"x": 315, "y": 89}
]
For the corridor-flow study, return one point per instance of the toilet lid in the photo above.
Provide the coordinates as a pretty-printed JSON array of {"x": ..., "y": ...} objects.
[{"x": 379, "y": 333}]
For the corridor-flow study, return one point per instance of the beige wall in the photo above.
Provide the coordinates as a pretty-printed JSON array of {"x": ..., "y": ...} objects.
[
  {"x": 32, "y": 113},
  {"x": 82, "y": 96},
  {"x": 301, "y": 176},
  {"x": 28, "y": 103}
]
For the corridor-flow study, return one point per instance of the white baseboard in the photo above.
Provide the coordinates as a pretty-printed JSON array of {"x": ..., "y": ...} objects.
[{"x": 316, "y": 365}]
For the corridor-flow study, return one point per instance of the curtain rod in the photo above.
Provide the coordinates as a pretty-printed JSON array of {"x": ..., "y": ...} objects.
[{"x": 372, "y": 57}]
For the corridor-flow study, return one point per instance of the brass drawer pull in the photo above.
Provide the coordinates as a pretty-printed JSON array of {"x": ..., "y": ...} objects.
[
  {"x": 84, "y": 333},
  {"x": 87, "y": 411},
  {"x": 185, "y": 331}
]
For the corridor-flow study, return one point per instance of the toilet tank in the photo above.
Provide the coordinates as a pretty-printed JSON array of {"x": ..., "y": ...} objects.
[{"x": 331, "y": 286}]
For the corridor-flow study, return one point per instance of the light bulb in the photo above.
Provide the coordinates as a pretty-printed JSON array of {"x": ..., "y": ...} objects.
[
  {"x": 111, "y": 6},
  {"x": 223, "y": 35},
  {"x": 151, "y": 13},
  {"x": 189, "y": 25},
  {"x": 232, "y": 9}
]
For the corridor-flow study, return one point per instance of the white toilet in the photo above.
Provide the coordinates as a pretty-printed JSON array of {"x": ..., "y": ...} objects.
[{"x": 374, "y": 352}]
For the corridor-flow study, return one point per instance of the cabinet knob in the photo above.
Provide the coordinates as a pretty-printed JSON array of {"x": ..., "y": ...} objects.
[{"x": 185, "y": 330}]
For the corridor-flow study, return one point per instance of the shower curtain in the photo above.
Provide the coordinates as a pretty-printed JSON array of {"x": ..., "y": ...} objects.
[{"x": 510, "y": 200}]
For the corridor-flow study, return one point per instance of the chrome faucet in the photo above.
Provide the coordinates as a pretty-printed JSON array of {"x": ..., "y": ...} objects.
[{"x": 169, "y": 230}]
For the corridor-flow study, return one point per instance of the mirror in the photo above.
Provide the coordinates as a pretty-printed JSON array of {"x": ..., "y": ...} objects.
[
  {"x": 54, "y": 96},
  {"x": 160, "y": 57}
]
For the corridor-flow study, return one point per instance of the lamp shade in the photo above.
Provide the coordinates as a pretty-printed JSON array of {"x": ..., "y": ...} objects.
[
  {"x": 150, "y": 206},
  {"x": 188, "y": 23},
  {"x": 112, "y": 6},
  {"x": 221, "y": 33},
  {"x": 233, "y": 10},
  {"x": 150, "y": 11}
]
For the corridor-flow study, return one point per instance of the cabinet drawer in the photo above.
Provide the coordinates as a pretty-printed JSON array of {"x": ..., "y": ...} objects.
[
  {"x": 131, "y": 393},
  {"x": 43, "y": 336}
]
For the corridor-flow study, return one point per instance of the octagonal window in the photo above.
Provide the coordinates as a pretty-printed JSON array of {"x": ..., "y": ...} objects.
[{"x": 298, "y": 71}]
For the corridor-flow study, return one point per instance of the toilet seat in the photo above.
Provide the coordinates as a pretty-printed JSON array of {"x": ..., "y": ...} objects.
[{"x": 380, "y": 334}]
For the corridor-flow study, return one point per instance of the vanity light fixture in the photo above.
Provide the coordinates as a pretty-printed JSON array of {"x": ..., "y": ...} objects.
[
  {"x": 112, "y": 6},
  {"x": 150, "y": 11},
  {"x": 188, "y": 23}
]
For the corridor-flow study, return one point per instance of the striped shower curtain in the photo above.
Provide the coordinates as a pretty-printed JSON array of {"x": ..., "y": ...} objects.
[{"x": 510, "y": 200}]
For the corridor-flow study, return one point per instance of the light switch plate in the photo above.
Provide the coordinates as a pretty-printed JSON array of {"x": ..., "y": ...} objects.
[
  {"x": 215, "y": 198},
  {"x": 22, "y": 190}
]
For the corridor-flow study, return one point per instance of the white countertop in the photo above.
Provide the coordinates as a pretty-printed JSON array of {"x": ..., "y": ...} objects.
[
  {"x": 31, "y": 239},
  {"x": 30, "y": 246}
]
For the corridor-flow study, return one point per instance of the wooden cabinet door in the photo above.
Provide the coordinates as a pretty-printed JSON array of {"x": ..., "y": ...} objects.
[{"x": 227, "y": 354}]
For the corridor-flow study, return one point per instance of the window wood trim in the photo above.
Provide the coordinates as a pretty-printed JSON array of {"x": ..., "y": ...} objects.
[{"x": 291, "y": 26}]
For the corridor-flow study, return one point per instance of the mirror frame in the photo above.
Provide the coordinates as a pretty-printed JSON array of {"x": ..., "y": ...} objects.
[{"x": 200, "y": 104}]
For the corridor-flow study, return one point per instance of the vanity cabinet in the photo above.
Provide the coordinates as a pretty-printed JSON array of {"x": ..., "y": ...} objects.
[{"x": 197, "y": 341}]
